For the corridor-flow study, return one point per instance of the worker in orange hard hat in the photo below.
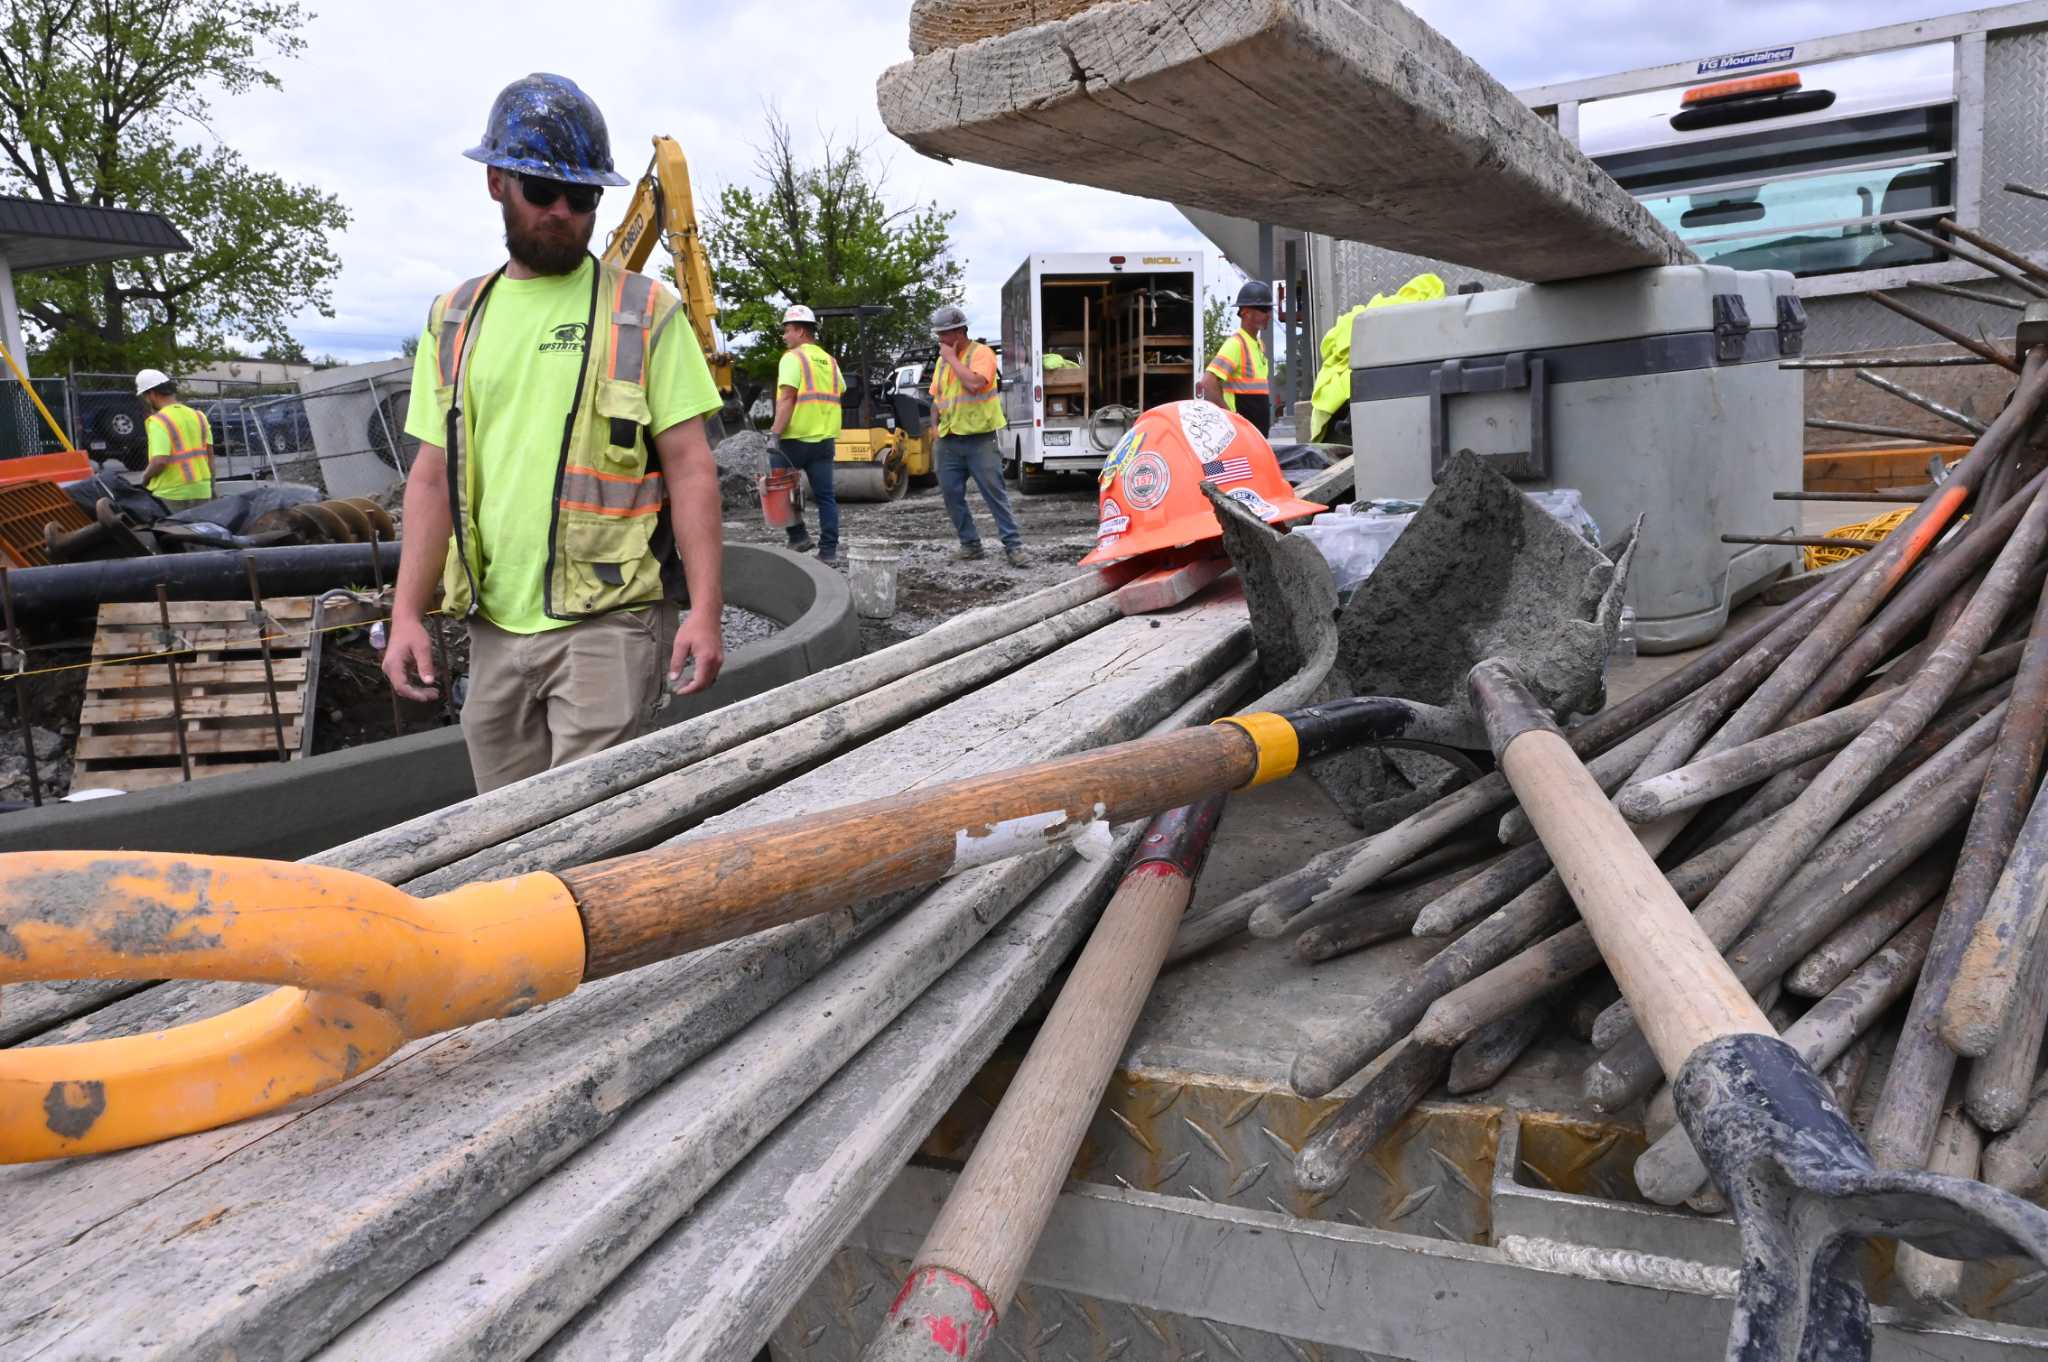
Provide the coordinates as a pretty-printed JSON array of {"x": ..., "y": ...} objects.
[{"x": 1151, "y": 496}]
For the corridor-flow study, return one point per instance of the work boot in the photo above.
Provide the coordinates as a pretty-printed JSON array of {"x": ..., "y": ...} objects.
[
  {"x": 829, "y": 557},
  {"x": 802, "y": 544},
  {"x": 969, "y": 553},
  {"x": 1016, "y": 557}
]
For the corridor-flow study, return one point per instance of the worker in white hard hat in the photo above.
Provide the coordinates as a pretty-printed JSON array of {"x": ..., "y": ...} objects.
[
  {"x": 967, "y": 409},
  {"x": 808, "y": 389},
  {"x": 180, "y": 464}
]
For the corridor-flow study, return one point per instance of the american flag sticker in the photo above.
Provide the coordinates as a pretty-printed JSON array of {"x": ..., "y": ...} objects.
[{"x": 1227, "y": 470}]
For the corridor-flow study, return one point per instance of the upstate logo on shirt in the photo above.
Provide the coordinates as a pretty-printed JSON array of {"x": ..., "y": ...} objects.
[{"x": 564, "y": 339}]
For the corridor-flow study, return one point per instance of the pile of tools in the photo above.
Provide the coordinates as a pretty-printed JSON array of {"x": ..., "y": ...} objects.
[{"x": 1846, "y": 797}]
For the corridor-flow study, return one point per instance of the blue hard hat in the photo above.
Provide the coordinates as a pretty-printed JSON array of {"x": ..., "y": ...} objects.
[{"x": 545, "y": 126}]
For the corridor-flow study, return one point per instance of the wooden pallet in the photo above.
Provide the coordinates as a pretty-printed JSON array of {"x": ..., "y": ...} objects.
[{"x": 127, "y": 727}]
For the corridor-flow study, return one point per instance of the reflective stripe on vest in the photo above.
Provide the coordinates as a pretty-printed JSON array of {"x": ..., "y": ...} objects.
[
  {"x": 980, "y": 410},
  {"x": 612, "y": 494},
  {"x": 632, "y": 316},
  {"x": 455, "y": 327},
  {"x": 1249, "y": 379},
  {"x": 811, "y": 391},
  {"x": 185, "y": 454}
]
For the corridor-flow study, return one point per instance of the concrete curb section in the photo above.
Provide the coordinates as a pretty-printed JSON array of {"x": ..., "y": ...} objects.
[{"x": 304, "y": 806}]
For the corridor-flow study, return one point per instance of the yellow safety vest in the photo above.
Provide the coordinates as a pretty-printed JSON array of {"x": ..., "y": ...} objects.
[
  {"x": 956, "y": 411},
  {"x": 608, "y": 502},
  {"x": 190, "y": 475},
  {"x": 818, "y": 413},
  {"x": 1244, "y": 373}
]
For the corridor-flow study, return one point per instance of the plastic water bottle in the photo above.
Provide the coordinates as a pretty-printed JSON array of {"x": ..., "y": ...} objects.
[{"x": 1625, "y": 637}]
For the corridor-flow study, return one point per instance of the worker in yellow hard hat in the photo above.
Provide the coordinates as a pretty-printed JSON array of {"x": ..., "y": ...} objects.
[
  {"x": 180, "y": 466},
  {"x": 1238, "y": 375}
]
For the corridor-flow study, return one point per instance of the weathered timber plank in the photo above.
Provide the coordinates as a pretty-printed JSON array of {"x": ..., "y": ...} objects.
[
  {"x": 340, "y": 1201},
  {"x": 142, "y": 709},
  {"x": 145, "y": 614},
  {"x": 202, "y": 638},
  {"x": 35, "y": 1007},
  {"x": 155, "y": 676},
  {"x": 715, "y": 1286},
  {"x": 1354, "y": 119},
  {"x": 254, "y": 737}
]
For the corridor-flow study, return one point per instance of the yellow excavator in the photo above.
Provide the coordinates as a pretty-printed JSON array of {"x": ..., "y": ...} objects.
[{"x": 664, "y": 209}]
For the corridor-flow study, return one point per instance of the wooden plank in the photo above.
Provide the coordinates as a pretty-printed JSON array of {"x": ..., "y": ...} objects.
[
  {"x": 143, "y": 614},
  {"x": 34, "y": 1007},
  {"x": 136, "y": 642},
  {"x": 1231, "y": 107},
  {"x": 199, "y": 742},
  {"x": 330, "y": 1210},
  {"x": 1871, "y": 470},
  {"x": 140, "y": 709},
  {"x": 156, "y": 676},
  {"x": 155, "y": 777}
]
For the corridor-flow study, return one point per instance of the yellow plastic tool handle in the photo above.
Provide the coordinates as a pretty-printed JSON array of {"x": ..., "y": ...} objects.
[{"x": 372, "y": 965}]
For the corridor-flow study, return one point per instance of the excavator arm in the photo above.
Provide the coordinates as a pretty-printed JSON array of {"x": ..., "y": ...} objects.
[{"x": 664, "y": 208}]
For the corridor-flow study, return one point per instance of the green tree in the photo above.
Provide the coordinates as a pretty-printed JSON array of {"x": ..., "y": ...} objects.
[
  {"x": 825, "y": 234},
  {"x": 1216, "y": 327},
  {"x": 105, "y": 103}
]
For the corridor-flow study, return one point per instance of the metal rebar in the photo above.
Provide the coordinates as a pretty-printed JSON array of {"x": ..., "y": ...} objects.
[
  {"x": 1887, "y": 362},
  {"x": 167, "y": 638},
  {"x": 1888, "y": 432},
  {"x": 1945, "y": 331},
  {"x": 1801, "y": 541},
  {"x": 2014, "y": 187},
  {"x": 2032, "y": 268},
  {"x": 377, "y": 581},
  {"x": 257, "y": 615},
  {"x": 1972, "y": 250},
  {"x": 1974, "y": 296},
  {"x": 1922, "y": 401},
  {"x": 1904, "y": 496},
  {"x": 21, "y": 692}
]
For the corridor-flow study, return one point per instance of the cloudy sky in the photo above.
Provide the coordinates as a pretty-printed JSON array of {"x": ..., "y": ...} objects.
[{"x": 386, "y": 96}]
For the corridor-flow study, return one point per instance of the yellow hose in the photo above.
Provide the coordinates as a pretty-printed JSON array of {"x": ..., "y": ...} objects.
[{"x": 1877, "y": 527}]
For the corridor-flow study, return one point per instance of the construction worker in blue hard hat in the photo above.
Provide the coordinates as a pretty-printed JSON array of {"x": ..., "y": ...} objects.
[
  {"x": 563, "y": 465},
  {"x": 1238, "y": 377},
  {"x": 805, "y": 433}
]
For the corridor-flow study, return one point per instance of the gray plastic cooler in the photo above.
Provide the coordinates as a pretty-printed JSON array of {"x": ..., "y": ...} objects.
[{"x": 1654, "y": 392}]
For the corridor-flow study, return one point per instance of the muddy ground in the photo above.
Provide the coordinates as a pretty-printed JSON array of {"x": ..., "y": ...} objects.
[{"x": 930, "y": 587}]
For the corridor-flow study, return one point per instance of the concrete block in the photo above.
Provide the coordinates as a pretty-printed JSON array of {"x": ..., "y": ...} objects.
[{"x": 1354, "y": 119}]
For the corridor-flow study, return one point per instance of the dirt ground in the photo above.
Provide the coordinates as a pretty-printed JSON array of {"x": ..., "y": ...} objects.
[{"x": 930, "y": 587}]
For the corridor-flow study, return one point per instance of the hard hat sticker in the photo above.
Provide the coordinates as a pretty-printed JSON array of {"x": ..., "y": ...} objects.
[
  {"x": 1220, "y": 471},
  {"x": 1110, "y": 508},
  {"x": 1253, "y": 501},
  {"x": 1208, "y": 428},
  {"x": 1124, "y": 449},
  {"x": 1112, "y": 526},
  {"x": 1146, "y": 478}
]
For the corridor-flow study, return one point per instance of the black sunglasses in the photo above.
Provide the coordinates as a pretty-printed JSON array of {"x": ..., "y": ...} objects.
[{"x": 543, "y": 193}]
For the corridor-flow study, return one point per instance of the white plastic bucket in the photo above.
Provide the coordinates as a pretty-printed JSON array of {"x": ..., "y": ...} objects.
[{"x": 871, "y": 574}]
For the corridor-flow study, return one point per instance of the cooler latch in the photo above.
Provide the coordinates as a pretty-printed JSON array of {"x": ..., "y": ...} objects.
[
  {"x": 1791, "y": 325},
  {"x": 1731, "y": 327},
  {"x": 1512, "y": 372}
]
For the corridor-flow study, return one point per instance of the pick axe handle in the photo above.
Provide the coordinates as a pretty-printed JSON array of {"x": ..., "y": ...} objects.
[
  {"x": 1681, "y": 990},
  {"x": 963, "y": 1277}
]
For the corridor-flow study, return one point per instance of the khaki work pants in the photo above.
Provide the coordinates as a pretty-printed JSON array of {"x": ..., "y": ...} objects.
[{"x": 539, "y": 700}]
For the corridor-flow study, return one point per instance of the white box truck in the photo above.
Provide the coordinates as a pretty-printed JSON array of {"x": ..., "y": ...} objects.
[{"x": 1090, "y": 340}]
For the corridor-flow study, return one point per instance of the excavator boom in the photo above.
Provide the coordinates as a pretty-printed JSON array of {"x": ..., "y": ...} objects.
[{"x": 665, "y": 209}]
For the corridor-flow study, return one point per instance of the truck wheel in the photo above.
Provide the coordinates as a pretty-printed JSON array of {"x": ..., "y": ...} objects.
[{"x": 1033, "y": 483}]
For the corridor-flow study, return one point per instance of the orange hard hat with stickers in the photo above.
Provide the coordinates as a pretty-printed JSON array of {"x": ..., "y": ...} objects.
[{"x": 1151, "y": 494}]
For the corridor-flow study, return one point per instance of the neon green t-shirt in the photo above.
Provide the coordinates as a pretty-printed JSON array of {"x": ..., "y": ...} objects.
[
  {"x": 816, "y": 417},
  {"x": 520, "y": 383},
  {"x": 193, "y": 479}
]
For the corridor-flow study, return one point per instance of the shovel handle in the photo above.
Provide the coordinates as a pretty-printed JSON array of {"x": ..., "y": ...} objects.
[{"x": 1681, "y": 990}]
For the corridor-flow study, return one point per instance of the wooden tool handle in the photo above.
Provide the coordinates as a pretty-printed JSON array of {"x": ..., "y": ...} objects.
[
  {"x": 656, "y": 904},
  {"x": 993, "y": 1217},
  {"x": 1681, "y": 990}
]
